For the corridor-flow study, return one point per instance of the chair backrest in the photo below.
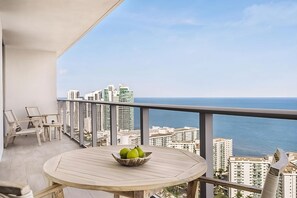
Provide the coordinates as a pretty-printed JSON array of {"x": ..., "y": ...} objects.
[
  {"x": 33, "y": 111},
  {"x": 280, "y": 161},
  {"x": 10, "y": 117}
]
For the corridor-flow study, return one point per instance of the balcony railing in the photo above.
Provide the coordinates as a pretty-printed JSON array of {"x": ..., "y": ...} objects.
[{"x": 205, "y": 121}]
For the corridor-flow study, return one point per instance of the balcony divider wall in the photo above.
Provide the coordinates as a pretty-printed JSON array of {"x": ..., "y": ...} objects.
[
  {"x": 205, "y": 121},
  {"x": 1, "y": 92}
]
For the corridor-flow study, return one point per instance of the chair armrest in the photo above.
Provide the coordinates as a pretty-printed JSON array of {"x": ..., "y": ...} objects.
[
  {"x": 230, "y": 184},
  {"x": 50, "y": 114},
  {"x": 27, "y": 120},
  {"x": 37, "y": 116},
  {"x": 13, "y": 188},
  {"x": 30, "y": 120}
]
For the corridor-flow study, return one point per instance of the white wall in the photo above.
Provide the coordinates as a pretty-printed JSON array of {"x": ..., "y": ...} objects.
[
  {"x": 1, "y": 95},
  {"x": 30, "y": 80}
]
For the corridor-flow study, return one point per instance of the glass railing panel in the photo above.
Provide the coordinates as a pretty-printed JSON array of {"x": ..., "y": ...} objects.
[
  {"x": 170, "y": 129},
  {"x": 85, "y": 136},
  {"x": 67, "y": 130},
  {"x": 96, "y": 117},
  {"x": 76, "y": 121},
  {"x": 244, "y": 148},
  {"x": 103, "y": 125},
  {"x": 89, "y": 120},
  {"x": 128, "y": 132}
]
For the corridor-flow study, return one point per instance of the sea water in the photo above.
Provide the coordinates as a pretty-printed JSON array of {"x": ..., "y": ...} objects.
[{"x": 251, "y": 136}]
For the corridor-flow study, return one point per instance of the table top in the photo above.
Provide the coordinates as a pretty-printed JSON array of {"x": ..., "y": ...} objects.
[
  {"x": 52, "y": 124},
  {"x": 95, "y": 168}
]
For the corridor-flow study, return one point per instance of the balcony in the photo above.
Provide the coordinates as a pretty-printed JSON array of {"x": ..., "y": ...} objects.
[
  {"x": 75, "y": 137},
  {"x": 31, "y": 45},
  {"x": 75, "y": 129}
]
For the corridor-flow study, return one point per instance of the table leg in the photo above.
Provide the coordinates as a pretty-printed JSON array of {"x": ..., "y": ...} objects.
[
  {"x": 58, "y": 193},
  {"x": 141, "y": 194},
  {"x": 50, "y": 133},
  {"x": 116, "y": 196},
  {"x": 60, "y": 132},
  {"x": 53, "y": 190},
  {"x": 192, "y": 189},
  {"x": 55, "y": 128}
]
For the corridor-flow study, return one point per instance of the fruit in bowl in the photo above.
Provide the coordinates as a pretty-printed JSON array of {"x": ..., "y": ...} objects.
[
  {"x": 124, "y": 152},
  {"x": 132, "y": 157}
]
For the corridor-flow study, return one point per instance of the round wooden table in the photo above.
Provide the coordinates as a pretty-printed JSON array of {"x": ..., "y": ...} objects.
[{"x": 96, "y": 169}]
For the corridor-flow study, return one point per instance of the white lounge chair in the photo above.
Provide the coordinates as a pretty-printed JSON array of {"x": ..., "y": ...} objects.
[
  {"x": 49, "y": 121},
  {"x": 14, "y": 190},
  {"x": 15, "y": 128}
]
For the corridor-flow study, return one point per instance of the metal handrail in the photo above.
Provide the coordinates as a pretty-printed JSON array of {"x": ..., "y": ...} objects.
[{"x": 251, "y": 112}]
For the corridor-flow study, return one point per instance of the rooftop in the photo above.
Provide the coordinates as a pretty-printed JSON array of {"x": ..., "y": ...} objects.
[{"x": 249, "y": 159}]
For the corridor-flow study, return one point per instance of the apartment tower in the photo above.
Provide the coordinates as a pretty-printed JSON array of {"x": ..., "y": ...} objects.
[{"x": 126, "y": 114}]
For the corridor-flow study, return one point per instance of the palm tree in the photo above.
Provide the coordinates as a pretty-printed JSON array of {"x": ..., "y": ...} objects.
[
  {"x": 220, "y": 195},
  {"x": 239, "y": 194}
]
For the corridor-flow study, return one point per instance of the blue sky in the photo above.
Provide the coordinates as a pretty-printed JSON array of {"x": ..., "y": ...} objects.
[{"x": 193, "y": 48}]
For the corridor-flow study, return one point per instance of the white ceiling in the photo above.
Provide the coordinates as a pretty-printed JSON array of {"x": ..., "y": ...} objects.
[{"x": 51, "y": 25}]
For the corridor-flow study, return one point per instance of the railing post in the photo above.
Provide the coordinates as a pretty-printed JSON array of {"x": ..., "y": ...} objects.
[
  {"x": 94, "y": 124},
  {"x": 64, "y": 117},
  {"x": 206, "y": 151},
  {"x": 71, "y": 120},
  {"x": 144, "y": 126},
  {"x": 60, "y": 104},
  {"x": 113, "y": 125},
  {"x": 81, "y": 123}
]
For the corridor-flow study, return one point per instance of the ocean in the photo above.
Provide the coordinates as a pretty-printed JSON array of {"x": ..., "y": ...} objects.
[{"x": 251, "y": 136}]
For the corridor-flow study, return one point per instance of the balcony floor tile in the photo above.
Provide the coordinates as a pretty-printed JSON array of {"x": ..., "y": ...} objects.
[{"x": 22, "y": 162}]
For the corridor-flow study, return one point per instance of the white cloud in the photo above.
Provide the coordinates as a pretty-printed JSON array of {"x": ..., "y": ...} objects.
[
  {"x": 157, "y": 19},
  {"x": 272, "y": 14},
  {"x": 180, "y": 21},
  {"x": 62, "y": 71}
]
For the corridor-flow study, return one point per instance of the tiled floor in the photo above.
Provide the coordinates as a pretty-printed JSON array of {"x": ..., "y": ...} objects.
[{"x": 22, "y": 162}]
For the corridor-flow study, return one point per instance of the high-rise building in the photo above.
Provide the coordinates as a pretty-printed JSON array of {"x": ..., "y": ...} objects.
[
  {"x": 288, "y": 179},
  {"x": 252, "y": 171},
  {"x": 109, "y": 94},
  {"x": 248, "y": 170},
  {"x": 185, "y": 134},
  {"x": 88, "y": 109},
  {"x": 94, "y": 96},
  {"x": 184, "y": 145},
  {"x": 161, "y": 139},
  {"x": 222, "y": 150},
  {"x": 73, "y": 95},
  {"x": 125, "y": 114}
]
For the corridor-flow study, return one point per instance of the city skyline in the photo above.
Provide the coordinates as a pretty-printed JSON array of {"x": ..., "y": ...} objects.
[{"x": 193, "y": 49}]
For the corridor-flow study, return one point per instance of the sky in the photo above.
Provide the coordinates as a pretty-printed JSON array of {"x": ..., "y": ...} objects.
[{"x": 192, "y": 48}]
